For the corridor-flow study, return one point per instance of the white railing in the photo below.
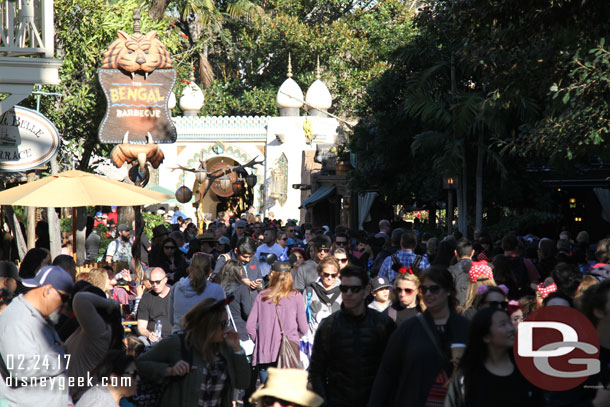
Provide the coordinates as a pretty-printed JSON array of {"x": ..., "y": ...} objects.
[{"x": 26, "y": 28}]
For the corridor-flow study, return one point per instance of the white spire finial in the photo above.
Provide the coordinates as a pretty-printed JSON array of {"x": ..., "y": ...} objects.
[
  {"x": 289, "y": 67},
  {"x": 318, "y": 69}
]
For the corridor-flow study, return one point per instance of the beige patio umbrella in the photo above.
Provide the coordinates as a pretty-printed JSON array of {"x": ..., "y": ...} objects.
[
  {"x": 72, "y": 189},
  {"x": 76, "y": 188}
]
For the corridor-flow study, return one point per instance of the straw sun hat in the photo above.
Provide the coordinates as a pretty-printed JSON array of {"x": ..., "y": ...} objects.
[{"x": 289, "y": 385}]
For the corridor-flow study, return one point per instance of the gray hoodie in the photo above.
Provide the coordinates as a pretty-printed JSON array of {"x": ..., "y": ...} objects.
[{"x": 182, "y": 298}]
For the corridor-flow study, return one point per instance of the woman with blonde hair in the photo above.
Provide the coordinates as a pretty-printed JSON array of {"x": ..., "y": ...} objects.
[
  {"x": 215, "y": 363},
  {"x": 187, "y": 292},
  {"x": 278, "y": 308},
  {"x": 479, "y": 274},
  {"x": 98, "y": 277},
  {"x": 406, "y": 302}
]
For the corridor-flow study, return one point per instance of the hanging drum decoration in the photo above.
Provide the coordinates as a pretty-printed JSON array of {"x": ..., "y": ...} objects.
[
  {"x": 238, "y": 187},
  {"x": 184, "y": 194}
]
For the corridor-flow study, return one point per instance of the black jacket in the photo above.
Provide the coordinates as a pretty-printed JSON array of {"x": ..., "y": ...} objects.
[
  {"x": 411, "y": 362},
  {"x": 346, "y": 354}
]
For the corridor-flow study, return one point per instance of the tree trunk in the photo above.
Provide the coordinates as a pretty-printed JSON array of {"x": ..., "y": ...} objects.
[
  {"x": 81, "y": 229},
  {"x": 157, "y": 9},
  {"x": 479, "y": 184},
  {"x": 464, "y": 185},
  {"x": 54, "y": 226},
  {"x": 460, "y": 201}
]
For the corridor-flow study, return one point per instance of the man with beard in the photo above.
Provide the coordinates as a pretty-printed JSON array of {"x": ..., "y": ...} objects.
[
  {"x": 31, "y": 351},
  {"x": 120, "y": 248}
]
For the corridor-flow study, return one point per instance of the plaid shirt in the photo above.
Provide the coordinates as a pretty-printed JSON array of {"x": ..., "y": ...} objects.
[
  {"x": 214, "y": 381},
  {"x": 406, "y": 257}
]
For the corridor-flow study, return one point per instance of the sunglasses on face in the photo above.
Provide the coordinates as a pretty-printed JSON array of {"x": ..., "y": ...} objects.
[
  {"x": 169, "y": 247},
  {"x": 224, "y": 324},
  {"x": 284, "y": 238},
  {"x": 497, "y": 304},
  {"x": 270, "y": 401},
  {"x": 353, "y": 288},
  {"x": 330, "y": 275},
  {"x": 341, "y": 260},
  {"x": 406, "y": 290},
  {"x": 155, "y": 282},
  {"x": 64, "y": 297},
  {"x": 323, "y": 250},
  {"x": 290, "y": 230},
  {"x": 434, "y": 289}
]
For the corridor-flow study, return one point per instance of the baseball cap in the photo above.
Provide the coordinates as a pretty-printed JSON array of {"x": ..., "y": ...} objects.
[
  {"x": 123, "y": 227},
  {"x": 53, "y": 275},
  {"x": 224, "y": 240},
  {"x": 379, "y": 283},
  {"x": 322, "y": 242},
  {"x": 281, "y": 266},
  {"x": 98, "y": 214},
  {"x": 9, "y": 269},
  {"x": 241, "y": 223},
  {"x": 113, "y": 207}
]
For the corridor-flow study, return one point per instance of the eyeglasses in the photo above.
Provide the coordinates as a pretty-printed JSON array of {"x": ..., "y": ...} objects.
[
  {"x": 354, "y": 288},
  {"x": 324, "y": 250},
  {"x": 156, "y": 282},
  {"x": 410, "y": 290},
  {"x": 64, "y": 297},
  {"x": 434, "y": 289},
  {"x": 333, "y": 275},
  {"x": 239, "y": 227},
  {"x": 284, "y": 238},
  {"x": 290, "y": 230},
  {"x": 341, "y": 260},
  {"x": 270, "y": 401},
  {"x": 341, "y": 242},
  {"x": 224, "y": 324},
  {"x": 169, "y": 247},
  {"x": 497, "y": 304}
]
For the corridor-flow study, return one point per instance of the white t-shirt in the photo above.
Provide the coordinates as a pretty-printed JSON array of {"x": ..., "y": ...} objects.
[{"x": 262, "y": 252}]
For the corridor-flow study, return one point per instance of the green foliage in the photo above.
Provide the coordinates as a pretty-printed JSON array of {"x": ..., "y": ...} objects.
[
  {"x": 151, "y": 221},
  {"x": 65, "y": 225},
  {"x": 83, "y": 30}
]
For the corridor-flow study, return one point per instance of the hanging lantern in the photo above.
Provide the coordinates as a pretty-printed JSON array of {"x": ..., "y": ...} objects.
[
  {"x": 224, "y": 182},
  {"x": 251, "y": 180},
  {"x": 184, "y": 194},
  {"x": 238, "y": 187},
  {"x": 201, "y": 175}
]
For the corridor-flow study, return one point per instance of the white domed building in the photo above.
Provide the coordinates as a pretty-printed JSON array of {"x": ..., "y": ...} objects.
[{"x": 293, "y": 146}]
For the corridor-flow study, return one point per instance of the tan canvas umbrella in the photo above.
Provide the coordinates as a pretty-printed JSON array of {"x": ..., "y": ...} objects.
[{"x": 76, "y": 188}]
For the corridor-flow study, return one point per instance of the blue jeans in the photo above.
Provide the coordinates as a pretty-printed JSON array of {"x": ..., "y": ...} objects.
[{"x": 262, "y": 371}]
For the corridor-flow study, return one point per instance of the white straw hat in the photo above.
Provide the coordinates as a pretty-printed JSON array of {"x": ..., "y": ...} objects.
[{"x": 289, "y": 385}]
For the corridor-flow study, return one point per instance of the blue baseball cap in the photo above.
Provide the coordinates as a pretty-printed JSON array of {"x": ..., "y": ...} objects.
[
  {"x": 98, "y": 214},
  {"x": 53, "y": 275},
  {"x": 113, "y": 207}
]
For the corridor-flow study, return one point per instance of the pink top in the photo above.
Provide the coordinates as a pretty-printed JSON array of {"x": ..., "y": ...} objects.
[{"x": 264, "y": 329}]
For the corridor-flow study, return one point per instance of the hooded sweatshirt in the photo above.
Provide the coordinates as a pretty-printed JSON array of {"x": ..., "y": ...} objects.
[{"x": 183, "y": 298}]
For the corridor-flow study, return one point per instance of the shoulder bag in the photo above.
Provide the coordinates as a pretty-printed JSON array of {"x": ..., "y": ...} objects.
[{"x": 289, "y": 356}]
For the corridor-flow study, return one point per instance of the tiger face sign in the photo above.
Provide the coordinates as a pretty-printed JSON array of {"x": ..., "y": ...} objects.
[
  {"x": 137, "y": 52},
  {"x": 137, "y": 79}
]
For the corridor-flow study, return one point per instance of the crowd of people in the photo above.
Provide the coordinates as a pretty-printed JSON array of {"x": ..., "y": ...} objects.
[{"x": 391, "y": 318}]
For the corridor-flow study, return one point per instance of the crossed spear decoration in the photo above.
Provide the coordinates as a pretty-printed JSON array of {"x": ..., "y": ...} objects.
[{"x": 210, "y": 178}]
